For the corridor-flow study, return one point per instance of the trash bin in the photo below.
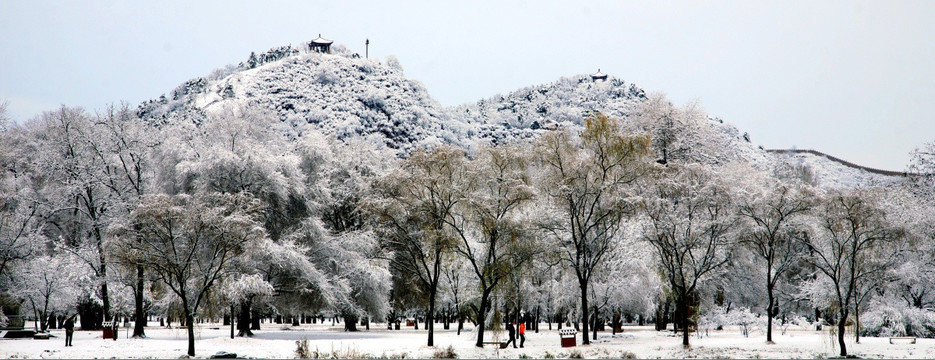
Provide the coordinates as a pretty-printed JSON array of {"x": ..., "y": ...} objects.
[
  {"x": 108, "y": 330},
  {"x": 569, "y": 338}
]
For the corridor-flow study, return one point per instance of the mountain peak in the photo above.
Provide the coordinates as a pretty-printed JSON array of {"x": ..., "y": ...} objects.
[{"x": 337, "y": 93}]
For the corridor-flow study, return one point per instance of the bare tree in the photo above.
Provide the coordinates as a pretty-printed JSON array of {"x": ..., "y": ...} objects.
[
  {"x": 125, "y": 149},
  {"x": 78, "y": 199},
  {"x": 771, "y": 217},
  {"x": 412, "y": 204},
  {"x": 852, "y": 246},
  {"x": 20, "y": 215},
  {"x": 690, "y": 217},
  {"x": 189, "y": 242},
  {"x": 491, "y": 233},
  {"x": 590, "y": 186}
]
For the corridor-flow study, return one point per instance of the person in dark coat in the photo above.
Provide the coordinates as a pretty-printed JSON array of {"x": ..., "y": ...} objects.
[
  {"x": 512, "y": 334},
  {"x": 69, "y": 330}
]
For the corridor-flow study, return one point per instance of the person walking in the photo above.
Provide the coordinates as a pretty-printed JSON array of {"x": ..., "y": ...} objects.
[
  {"x": 69, "y": 330},
  {"x": 511, "y": 330},
  {"x": 522, "y": 334}
]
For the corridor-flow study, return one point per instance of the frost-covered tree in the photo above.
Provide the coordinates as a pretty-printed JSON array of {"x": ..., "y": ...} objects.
[
  {"x": 411, "y": 205},
  {"x": 626, "y": 282},
  {"x": 78, "y": 199},
  {"x": 457, "y": 288},
  {"x": 922, "y": 161},
  {"x": 126, "y": 151},
  {"x": 339, "y": 176},
  {"x": 690, "y": 218},
  {"x": 915, "y": 275},
  {"x": 684, "y": 134},
  {"x": 48, "y": 284},
  {"x": 21, "y": 207},
  {"x": 590, "y": 184},
  {"x": 189, "y": 242},
  {"x": 493, "y": 236},
  {"x": 236, "y": 150},
  {"x": 244, "y": 290},
  {"x": 851, "y": 247},
  {"x": 772, "y": 212},
  {"x": 358, "y": 279}
]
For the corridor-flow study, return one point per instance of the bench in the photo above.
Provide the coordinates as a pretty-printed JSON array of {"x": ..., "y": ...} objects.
[
  {"x": 903, "y": 340},
  {"x": 501, "y": 344},
  {"x": 17, "y": 334}
]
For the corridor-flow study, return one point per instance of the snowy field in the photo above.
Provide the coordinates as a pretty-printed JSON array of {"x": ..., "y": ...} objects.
[{"x": 276, "y": 342}]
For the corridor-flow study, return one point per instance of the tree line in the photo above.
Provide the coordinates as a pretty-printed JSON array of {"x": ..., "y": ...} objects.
[{"x": 108, "y": 214}]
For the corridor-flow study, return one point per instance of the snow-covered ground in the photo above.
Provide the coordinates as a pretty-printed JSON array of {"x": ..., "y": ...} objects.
[{"x": 280, "y": 342}]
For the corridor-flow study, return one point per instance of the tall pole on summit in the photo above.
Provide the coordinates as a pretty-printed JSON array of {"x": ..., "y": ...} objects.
[{"x": 367, "y": 49}]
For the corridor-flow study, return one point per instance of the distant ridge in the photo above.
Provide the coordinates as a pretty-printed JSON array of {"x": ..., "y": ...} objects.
[
  {"x": 840, "y": 161},
  {"x": 342, "y": 95}
]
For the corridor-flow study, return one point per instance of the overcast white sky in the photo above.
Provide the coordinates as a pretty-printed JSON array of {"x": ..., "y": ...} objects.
[{"x": 853, "y": 79}]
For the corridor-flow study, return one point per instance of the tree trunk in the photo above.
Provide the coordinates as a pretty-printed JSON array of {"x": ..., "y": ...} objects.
[
  {"x": 139, "y": 328},
  {"x": 481, "y": 317},
  {"x": 350, "y": 321},
  {"x": 856, "y": 323},
  {"x": 254, "y": 319},
  {"x": 105, "y": 300},
  {"x": 44, "y": 317},
  {"x": 584, "y": 311},
  {"x": 769, "y": 313},
  {"x": 243, "y": 321},
  {"x": 594, "y": 324},
  {"x": 232, "y": 321},
  {"x": 841, "y": 324},
  {"x": 685, "y": 305},
  {"x": 190, "y": 319},
  {"x": 429, "y": 323},
  {"x": 105, "y": 297},
  {"x": 447, "y": 317},
  {"x": 538, "y": 308}
]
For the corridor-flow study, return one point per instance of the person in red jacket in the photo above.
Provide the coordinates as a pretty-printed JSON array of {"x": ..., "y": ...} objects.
[{"x": 522, "y": 334}]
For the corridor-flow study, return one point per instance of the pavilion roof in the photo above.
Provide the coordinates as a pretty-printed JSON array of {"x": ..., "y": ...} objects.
[{"x": 321, "y": 41}]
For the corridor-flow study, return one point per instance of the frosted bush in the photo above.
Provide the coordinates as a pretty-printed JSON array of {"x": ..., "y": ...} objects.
[
  {"x": 898, "y": 320},
  {"x": 326, "y": 74},
  {"x": 719, "y": 317},
  {"x": 393, "y": 62}
]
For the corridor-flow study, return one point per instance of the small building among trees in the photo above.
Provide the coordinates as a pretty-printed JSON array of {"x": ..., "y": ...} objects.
[
  {"x": 320, "y": 45},
  {"x": 598, "y": 75}
]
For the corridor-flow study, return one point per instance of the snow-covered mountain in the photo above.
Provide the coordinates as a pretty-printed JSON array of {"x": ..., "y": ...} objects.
[
  {"x": 337, "y": 94},
  {"x": 343, "y": 95}
]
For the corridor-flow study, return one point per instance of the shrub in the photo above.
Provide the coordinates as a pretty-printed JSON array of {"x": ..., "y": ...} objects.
[
  {"x": 898, "y": 320},
  {"x": 445, "y": 353},
  {"x": 303, "y": 352},
  {"x": 301, "y": 349}
]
